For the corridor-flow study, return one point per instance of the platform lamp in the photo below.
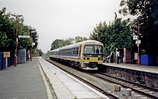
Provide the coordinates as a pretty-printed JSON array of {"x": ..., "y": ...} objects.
[
  {"x": 16, "y": 35},
  {"x": 31, "y": 30}
]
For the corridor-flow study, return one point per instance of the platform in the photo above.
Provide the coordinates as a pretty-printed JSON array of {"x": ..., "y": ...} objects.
[
  {"x": 23, "y": 81},
  {"x": 141, "y": 68},
  {"x": 66, "y": 86},
  {"x": 146, "y": 75}
]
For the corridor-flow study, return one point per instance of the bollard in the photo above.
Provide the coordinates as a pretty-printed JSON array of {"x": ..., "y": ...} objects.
[
  {"x": 117, "y": 88},
  {"x": 128, "y": 92}
]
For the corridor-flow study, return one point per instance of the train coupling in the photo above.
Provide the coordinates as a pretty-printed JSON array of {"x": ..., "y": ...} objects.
[{"x": 93, "y": 64}]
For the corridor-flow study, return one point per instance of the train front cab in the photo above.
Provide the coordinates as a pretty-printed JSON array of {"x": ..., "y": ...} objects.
[{"x": 92, "y": 56}]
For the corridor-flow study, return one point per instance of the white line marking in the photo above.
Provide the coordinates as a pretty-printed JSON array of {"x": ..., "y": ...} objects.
[{"x": 46, "y": 84}]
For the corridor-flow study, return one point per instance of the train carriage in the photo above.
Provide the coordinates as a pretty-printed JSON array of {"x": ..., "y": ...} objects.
[{"x": 85, "y": 55}]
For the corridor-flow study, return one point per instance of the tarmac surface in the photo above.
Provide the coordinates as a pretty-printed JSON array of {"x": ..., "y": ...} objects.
[{"x": 22, "y": 82}]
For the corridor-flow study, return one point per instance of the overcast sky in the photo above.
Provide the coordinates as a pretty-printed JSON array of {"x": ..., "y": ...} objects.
[{"x": 61, "y": 19}]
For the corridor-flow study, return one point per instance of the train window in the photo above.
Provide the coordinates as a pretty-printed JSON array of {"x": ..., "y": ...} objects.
[
  {"x": 93, "y": 49},
  {"x": 69, "y": 51},
  {"x": 98, "y": 49},
  {"x": 74, "y": 51},
  {"x": 88, "y": 49},
  {"x": 59, "y": 53},
  {"x": 77, "y": 50}
]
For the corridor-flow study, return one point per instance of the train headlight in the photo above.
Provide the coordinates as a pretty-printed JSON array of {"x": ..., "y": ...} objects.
[{"x": 86, "y": 58}]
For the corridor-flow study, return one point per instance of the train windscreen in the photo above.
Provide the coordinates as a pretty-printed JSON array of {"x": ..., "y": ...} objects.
[{"x": 93, "y": 49}]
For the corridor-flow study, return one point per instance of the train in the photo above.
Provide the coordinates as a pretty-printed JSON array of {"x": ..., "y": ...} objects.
[{"x": 88, "y": 55}]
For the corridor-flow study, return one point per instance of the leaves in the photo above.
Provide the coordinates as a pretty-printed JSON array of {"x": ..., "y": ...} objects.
[
  {"x": 60, "y": 43},
  {"x": 116, "y": 35},
  {"x": 8, "y": 33},
  {"x": 146, "y": 10}
]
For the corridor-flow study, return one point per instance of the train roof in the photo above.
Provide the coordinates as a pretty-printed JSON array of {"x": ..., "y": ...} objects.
[{"x": 73, "y": 45}]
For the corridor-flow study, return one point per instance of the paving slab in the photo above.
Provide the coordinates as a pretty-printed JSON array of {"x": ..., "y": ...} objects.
[{"x": 68, "y": 87}]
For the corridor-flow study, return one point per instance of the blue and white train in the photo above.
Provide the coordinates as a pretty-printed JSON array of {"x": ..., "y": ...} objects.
[{"x": 87, "y": 55}]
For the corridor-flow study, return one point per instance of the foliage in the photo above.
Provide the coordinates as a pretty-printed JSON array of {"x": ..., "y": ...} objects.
[
  {"x": 8, "y": 33},
  {"x": 47, "y": 54},
  {"x": 100, "y": 32},
  {"x": 56, "y": 44},
  {"x": 60, "y": 43},
  {"x": 39, "y": 52},
  {"x": 115, "y": 35},
  {"x": 120, "y": 36},
  {"x": 146, "y": 10},
  {"x": 23, "y": 42},
  {"x": 80, "y": 39}
]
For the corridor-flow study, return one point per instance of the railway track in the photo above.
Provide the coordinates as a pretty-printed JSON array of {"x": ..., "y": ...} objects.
[
  {"x": 148, "y": 91},
  {"x": 105, "y": 84}
]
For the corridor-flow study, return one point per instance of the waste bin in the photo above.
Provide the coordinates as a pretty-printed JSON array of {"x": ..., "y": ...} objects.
[{"x": 146, "y": 59}]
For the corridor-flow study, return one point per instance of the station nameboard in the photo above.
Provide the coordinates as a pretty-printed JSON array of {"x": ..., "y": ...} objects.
[
  {"x": 24, "y": 36},
  {"x": 138, "y": 42}
]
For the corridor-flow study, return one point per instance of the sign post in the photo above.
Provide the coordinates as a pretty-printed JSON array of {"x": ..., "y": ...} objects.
[
  {"x": 138, "y": 42},
  {"x": 6, "y": 55}
]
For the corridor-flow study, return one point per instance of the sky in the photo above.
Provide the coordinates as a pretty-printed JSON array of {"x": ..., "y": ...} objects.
[{"x": 62, "y": 19}]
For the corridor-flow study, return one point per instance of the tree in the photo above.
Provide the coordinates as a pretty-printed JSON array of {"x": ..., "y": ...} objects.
[
  {"x": 8, "y": 32},
  {"x": 60, "y": 43},
  {"x": 39, "y": 52},
  {"x": 47, "y": 54},
  {"x": 102, "y": 31},
  {"x": 146, "y": 10},
  {"x": 56, "y": 44},
  {"x": 80, "y": 39},
  {"x": 115, "y": 35},
  {"x": 120, "y": 36}
]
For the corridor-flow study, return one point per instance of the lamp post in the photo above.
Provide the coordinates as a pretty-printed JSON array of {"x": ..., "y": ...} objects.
[
  {"x": 31, "y": 43},
  {"x": 16, "y": 35},
  {"x": 138, "y": 45}
]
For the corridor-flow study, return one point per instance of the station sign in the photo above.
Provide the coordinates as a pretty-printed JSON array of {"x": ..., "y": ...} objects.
[
  {"x": 135, "y": 37},
  {"x": 138, "y": 42},
  {"x": 24, "y": 36},
  {"x": 6, "y": 54}
]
